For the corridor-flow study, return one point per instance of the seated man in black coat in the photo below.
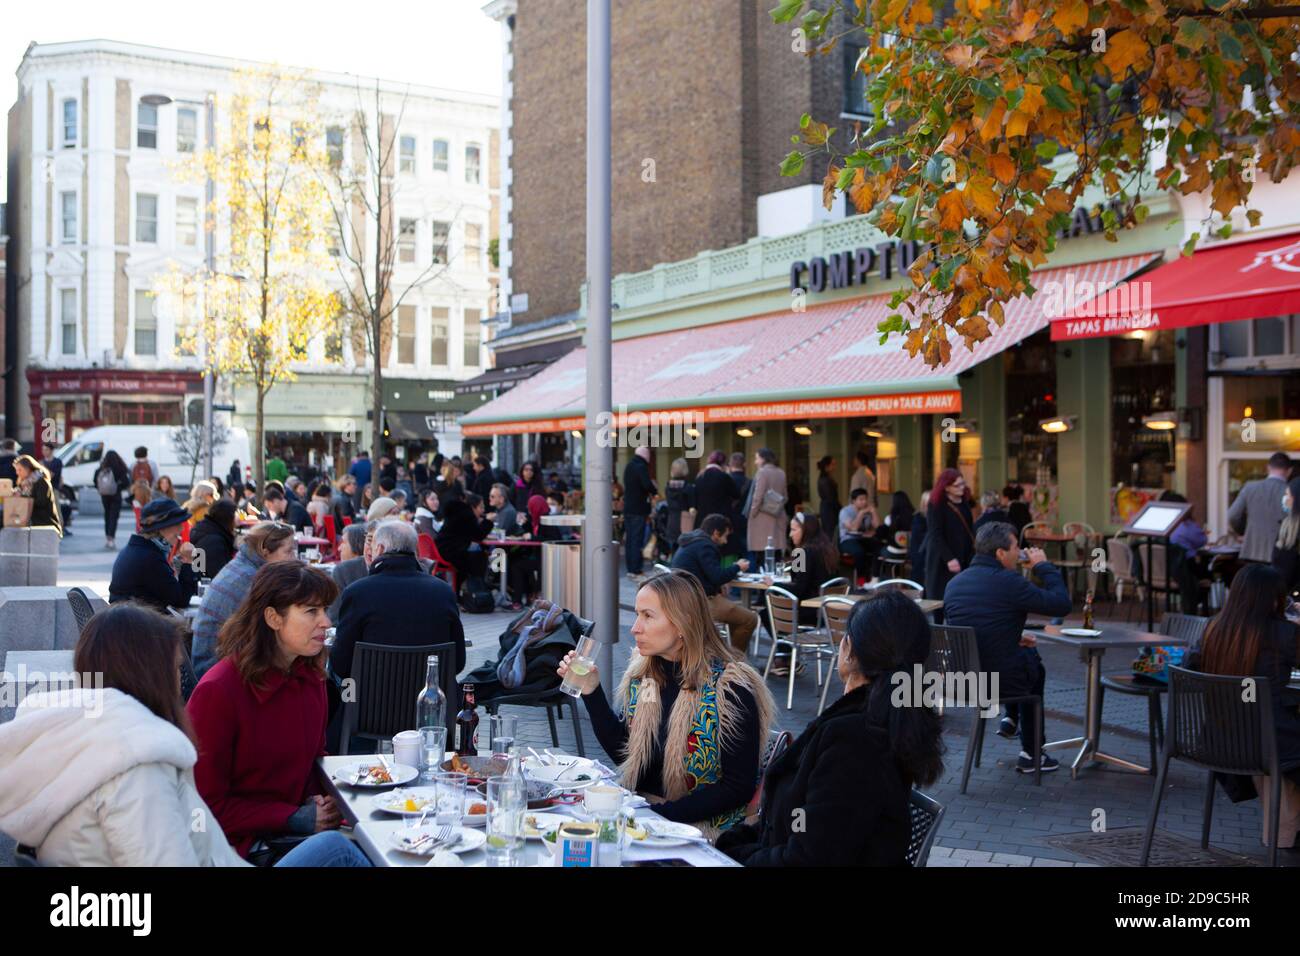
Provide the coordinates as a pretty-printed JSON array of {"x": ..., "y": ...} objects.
[
  {"x": 994, "y": 598},
  {"x": 279, "y": 508},
  {"x": 700, "y": 553},
  {"x": 463, "y": 527},
  {"x": 396, "y": 603}
]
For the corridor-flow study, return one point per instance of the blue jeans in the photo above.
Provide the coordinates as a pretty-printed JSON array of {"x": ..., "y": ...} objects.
[
  {"x": 330, "y": 848},
  {"x": 634, "y": 538}
]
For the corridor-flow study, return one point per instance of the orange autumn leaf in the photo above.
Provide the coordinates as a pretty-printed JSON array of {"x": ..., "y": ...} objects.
[
  {"x": 1125, "y": 50},
  {"x": 1025, "y": 30},
  {"x": 995, "y": 312},
  {"x": 952, "y": 210},
  {"x": 991, "y": 122},
  {"x": 1017, "y": 123},
  {"x": 980, "y": 196},
  {"x": 1070, "y": 15},
  {"x": 996, "y": 277},
  {"x": 1003, "y": 167},
  {"x": 1058, "y": 201},
  {"x": 828, "y": 186},
  {"x": 962, "y": 56}
]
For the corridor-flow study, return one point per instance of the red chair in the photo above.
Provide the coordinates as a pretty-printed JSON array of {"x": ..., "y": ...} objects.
[
  {"x": 429, "y": 549},
  {"x": 346, "y": 521},
  {"x": 332, "y": 536}
]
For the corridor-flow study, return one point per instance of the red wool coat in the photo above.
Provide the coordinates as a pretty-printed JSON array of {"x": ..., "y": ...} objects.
[{"x": 258, "y": 747}]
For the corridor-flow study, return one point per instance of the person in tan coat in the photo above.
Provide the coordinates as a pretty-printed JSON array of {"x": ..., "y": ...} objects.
[{"x": 766, "y": 516}]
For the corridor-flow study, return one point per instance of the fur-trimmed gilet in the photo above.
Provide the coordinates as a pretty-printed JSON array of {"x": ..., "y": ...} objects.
[{"x": 711, "y": 706}]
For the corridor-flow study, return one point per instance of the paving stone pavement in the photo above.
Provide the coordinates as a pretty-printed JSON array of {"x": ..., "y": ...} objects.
[{"x": 1002, "y": 820}]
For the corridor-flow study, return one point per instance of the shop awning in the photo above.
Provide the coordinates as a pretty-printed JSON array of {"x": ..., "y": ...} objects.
[
  {"x": 825, "y": 362},
  {"x": 499, "y": 378},
  {"x": 1247, "y": 280}
]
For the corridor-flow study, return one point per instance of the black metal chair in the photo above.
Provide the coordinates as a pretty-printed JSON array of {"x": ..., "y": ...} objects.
[
  {"x": 388, "y": 681},
  {"x": 1186, "y": 626},
  {"x": 925, "y": 813},
  {"x": 954, "y": 650},
  {"x": 1216, "y": 726},
  {"x": 554, "y": 701},
  {"x": 82, "y": 609}
]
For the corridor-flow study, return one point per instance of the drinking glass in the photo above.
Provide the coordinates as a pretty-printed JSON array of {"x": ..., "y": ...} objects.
[
  {"x": 505, "y": 820},
  {"x": 503, "y": 734},
  {"x": 385, "y": 752},
  {"x": 575, "y": 681},
  {"x": 433, "y": 750},
  {"x": 450, "y": 790}
]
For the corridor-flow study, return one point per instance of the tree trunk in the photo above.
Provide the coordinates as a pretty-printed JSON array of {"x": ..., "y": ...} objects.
[
  {"x": 377, "y": 406},
  {"x": 259, "y": 446}
]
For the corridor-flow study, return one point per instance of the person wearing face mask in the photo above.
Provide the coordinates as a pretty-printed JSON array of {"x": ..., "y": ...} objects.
[
  {"x": 1286, "y": 553},
  {"x": 259, "y": 714},
  {"x": 694, "y": 716},
  {"x": 852, "y": 769}
]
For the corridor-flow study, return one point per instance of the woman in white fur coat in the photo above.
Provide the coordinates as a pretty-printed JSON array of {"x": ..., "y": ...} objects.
[{"x": 103, "y": 774}]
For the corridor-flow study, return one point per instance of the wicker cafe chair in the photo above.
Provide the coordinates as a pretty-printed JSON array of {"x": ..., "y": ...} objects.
[
  {"x": 82, "y": 609},
  {"x": 954, "y": 650},
  {"x": 925, "y": 813},
  {"x": 1211, "y": 727},
  {"x": 835, "y": 613},
  {"x": 783, "y": 612},
  {"x": 388, "y": 680},
  {"x": 1184, "y": 626}
]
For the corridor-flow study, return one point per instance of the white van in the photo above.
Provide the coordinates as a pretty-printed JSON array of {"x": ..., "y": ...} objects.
[{"x": 82, "y": 455}]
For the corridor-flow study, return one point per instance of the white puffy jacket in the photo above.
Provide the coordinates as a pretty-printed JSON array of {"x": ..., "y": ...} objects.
[{"x": 99, "y": 780}]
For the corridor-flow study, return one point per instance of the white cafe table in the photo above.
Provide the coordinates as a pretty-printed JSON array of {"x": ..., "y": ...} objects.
[{"x": 371, "y": 829}]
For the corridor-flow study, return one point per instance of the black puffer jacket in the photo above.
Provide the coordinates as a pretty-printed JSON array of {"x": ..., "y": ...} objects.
[{"x": 697, "y": 554}]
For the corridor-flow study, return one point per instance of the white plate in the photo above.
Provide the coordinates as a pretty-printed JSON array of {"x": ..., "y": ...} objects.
[
  {"x": 562, "y": 775},
  {"x": 667, "y": 833},
  {"x": 469, "y": 840},
  {"x": 401, "y": 774},
  {"x": 1080, "y": 632},
  {"x": 391, "y": 802},
  {"x": 546, "y": 822}
]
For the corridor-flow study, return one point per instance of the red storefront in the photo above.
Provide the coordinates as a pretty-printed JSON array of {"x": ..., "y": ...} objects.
[{"x": 67, "y": 402}]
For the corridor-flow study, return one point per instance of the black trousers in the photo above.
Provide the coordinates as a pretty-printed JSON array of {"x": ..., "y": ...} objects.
[{"x": 112, "y": 511}]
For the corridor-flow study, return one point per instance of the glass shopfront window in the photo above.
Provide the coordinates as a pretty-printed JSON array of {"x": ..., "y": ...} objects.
[
  {"x": 1029, "y": 370},
  {"x": 1143, "y": 403}
]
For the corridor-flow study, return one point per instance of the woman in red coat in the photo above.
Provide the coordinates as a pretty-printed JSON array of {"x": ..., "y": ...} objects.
[{"x": 260, "y": 712}]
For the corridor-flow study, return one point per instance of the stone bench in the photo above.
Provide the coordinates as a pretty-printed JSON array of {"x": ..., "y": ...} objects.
[
  {"x": 29, "y": 557},
  {"x": 26, "y": 672}
]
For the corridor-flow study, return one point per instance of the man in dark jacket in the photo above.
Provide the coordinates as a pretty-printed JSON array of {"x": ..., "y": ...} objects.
[
  {"x": 396, "y": 603},
  {"x": 638, "y": 489},
  {"x": 700, "y": 553},
  {"x": 279, "y": 508},
  {"x": 9, "y": 450},
  {"x": 716, "y": 494},
  {"x": 463, "y": 528},
  {"x": 992, "y": 597},
  {"x": 483, "y": 477}
]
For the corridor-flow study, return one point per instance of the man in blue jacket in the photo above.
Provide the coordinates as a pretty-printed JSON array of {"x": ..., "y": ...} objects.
[
  {"x": 700, "y": 553},
  {"x": 992, "y": 597}
]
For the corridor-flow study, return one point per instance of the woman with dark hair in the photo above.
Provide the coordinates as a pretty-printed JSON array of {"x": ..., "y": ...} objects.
[
  {"x": 1251, "y": 637},
  {"x": 166, "y": 488},
  {"x": 1286, "y": 553},
  {"x": 828, "y": 492},
  {"x": 528, "y": 483},
  {"x": 839, "y": 796},
  {"x": 950, "y": 532},
  {"x": 119, "y": 789},
  {"x": 819, "y": 556},
  {"x": 260, "y": 712},
  {"x": 214, "y": 538},
  {"x": 34, "y": 482},
  {"x": 1018, "y": 513},
  {"x": 112, "y": 480},
  {"x": 526, "y": 563},
  {"x": 694, "y": 715}
]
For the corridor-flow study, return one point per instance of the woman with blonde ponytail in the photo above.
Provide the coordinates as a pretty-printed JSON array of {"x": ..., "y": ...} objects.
[{"x": 694, "y": 716}]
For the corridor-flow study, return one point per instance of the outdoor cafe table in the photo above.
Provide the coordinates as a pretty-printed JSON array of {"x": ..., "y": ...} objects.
[
  {"x": 1091, "y": 651},
  {"x": 1051, "y": 537},
  {"x": 927, "y": 605},
  {"x": 371, "y": 829}
]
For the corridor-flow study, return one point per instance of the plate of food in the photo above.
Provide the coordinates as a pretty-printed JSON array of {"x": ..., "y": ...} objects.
[
  {"x": 423, "y": 840},
  {"x": 405, "y": 803},
  {"x": 577, "y": 775},
  {"x": 374, "y": 775},
  {"x": 661, "y": 832},
  {"x": 475, "y": 814},
  {"x": 1081, "y": 632},
  {"x": 538, "y": 825},
  {"x": 477, "y": 769}
]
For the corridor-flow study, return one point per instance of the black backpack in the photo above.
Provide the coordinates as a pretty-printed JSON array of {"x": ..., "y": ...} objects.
[{"x": 476, "y": 597}]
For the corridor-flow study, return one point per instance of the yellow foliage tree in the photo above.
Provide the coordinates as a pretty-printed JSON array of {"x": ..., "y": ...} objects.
[{"x": 267, "y": 295}]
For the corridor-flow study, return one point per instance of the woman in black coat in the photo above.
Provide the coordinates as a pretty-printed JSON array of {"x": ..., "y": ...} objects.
[
  {"x": 950, "y": 532},
  {"x": 461, "y": 528},
  {"x": 214, "y": 538},
  {"x": 34, "y": 483},
  {"x": 143, "y": 572},
  {"x": 828, "y": 493},
  {"x": 840, "y": 795},
  {"x": 1251, "y": 637}
]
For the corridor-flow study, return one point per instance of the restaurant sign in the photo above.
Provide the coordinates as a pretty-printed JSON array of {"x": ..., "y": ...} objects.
[{"x": 840, "y": 270}]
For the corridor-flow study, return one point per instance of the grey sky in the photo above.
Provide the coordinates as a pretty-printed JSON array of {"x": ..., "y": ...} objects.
[{"x": 447, "y": 43}]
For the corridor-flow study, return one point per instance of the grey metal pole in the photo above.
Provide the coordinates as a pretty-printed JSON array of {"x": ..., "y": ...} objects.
[
  {"x": 210, "y": 250},
  {"x": 601, "y": 592}
]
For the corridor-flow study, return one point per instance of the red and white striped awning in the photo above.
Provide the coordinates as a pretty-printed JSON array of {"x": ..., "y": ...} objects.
[{"x": 825, "y": 362}]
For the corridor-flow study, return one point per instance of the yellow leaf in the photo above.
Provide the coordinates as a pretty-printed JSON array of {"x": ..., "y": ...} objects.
[
  {"x": 963, "y": 56},
  {"x": 977, "y": 7},
  {"x": 1070, "y": 15},
  {"x": 991, "y": 122},
  {"x": 1124, "y": 50},
  {"x": 996, "y": 277},
  {"x": 1003, "y": 166},
  {"x": 952, "y": 210},
  {"x": 1017, "y": 123},
  {"x": 995, "y": 312},
  {"x": 980, "y": 196},
  {"x": 1033, "y": 100},
  {"x": 1058, "y": 200},
  {"x": 828, "y": 186},
  {"x": 1025, "y": 30}
]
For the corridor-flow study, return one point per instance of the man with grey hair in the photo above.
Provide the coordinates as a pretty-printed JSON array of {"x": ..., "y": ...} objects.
[
  {"x": 398, "y": 602},
  {"x": 352, "y": 563},
  {"x": 993, "y": 597}
]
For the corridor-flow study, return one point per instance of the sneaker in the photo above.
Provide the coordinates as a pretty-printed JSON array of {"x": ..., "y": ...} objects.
[
  {"x": 109, "y": 545},
  {"x": 1047, "y": 763},
  {"x": 1007, "y": 727}
]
